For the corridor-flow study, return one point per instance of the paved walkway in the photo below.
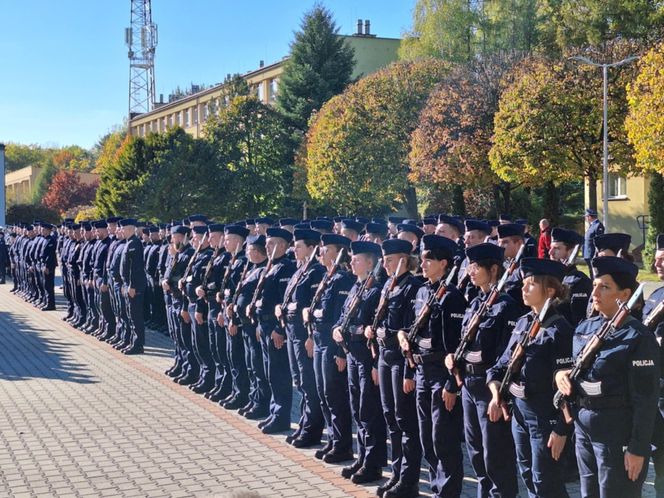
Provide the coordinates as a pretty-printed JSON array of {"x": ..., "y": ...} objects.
[{"x": 77, "y": 418}]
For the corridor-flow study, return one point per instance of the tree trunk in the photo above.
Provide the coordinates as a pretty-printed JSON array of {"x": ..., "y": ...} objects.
[
  {"x": 551, "y": 202},
  {"x": 496, "y": 200},
  {"x": 458, "y": 202},
  {"x": 592, "y": 192},
  {"x": 507, "y": 196},
  {"x": 410, "y": 205}
]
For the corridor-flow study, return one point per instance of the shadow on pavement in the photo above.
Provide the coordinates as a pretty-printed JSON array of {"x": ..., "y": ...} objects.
[{"x": 26, "y": 352}]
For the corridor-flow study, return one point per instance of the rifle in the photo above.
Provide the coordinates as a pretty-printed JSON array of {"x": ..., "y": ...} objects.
[
  {"x": 654, "y": 317},
  {"x": 585, "y": 358},
  {"x": 181, "y": 283},
  {"x": 519, "y": 352},
  {"x": 425, "y": 313},
  {"x": 232, "y": 316},
  {"x": 354, "y": 307},
  {"x": 259, "y": 288},
  {"x": 471, "y": 329},
  {"x": 287, "y": 297},
  {"x": 208, "y": 269},
  {"x": 321, "y": 288},
  {"x": 372, "y": 343},
  {"x": 572, "y": 257}
]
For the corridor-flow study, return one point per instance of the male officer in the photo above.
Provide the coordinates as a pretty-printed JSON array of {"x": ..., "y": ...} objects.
[
  {"x": 298, "y": 294},
  {"x": 531, "y": 244},
  {"x": 132, "y": 272},
  {"x": 273, "y": 336},
  {"x": 49, "y": 262},
  {"x": 351, "y": 228},
  {"x": 578, "y": 283},
  {"x": 4, "y": 256},
  {"x": 511, "y": 238},
  {"x": 107, "y": 319},
  {"x": 198, "y": 309},
  {"x": 595, "y": 228},
  {"x": 654, "y": 316}
]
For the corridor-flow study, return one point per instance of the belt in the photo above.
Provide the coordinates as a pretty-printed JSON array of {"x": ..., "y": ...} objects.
[
  {"x": 602, "y": 402},
  {"x": 422, "y": 359},
  {"x": 388, "y": 342},
  {"x": 475, "y": 369}
]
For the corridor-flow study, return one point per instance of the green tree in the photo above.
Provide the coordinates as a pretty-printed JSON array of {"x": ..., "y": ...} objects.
[
  {"x": 44, "y": 181},
  {"x": 26, "y": 213},
  {"x": 253, "y": 144},
  {"x": 320, "y": 66},
  {"x": 357, "y": 146},
  {"x": 645, "y": 130},
  {"x": 549, "y": 125},
  {"x": 19, "y": 156}
]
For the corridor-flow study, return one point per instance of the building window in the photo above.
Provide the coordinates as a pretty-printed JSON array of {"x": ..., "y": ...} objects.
[
  {"x": 163, "y": 124},
  {"x": 274, "y": 88},
  {"x": 204, "y": 113},
  {"x": 194, "y": 112},
  {"x": 186, "y": 118},
  {"x": 617, "y": 186},
  {"x": 260, "y": 93}
]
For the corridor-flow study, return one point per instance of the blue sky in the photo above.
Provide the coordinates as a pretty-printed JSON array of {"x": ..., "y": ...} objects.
[{"x": 64, "y": 67}]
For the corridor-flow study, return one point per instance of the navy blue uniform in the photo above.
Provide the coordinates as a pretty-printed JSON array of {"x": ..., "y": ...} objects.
[
  {"x": 653, "y": 301},
  {"x": 132, "y": 270},
  {"x": 490, "y": 444},
  {"x": 532, "y": 389},
  {"x": 580, "y": 287},
  {"x": 299, "y": 293},
  {"x": 331, "y": 384},
  {"x": 440, "y": 430},
  {"x": 364, "y": 394},
  {"x": 617, "y": 403},
  {"x": 594, "y": 229},
  {"x": 275, "y": 361},
  {"x": 399, "y": 408}
]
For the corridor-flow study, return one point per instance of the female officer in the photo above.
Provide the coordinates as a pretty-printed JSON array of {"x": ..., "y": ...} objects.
[
  {"x": 362, "y": 375},
  {"x": 616, "y": 395},
  {"x": 329, "y": 364},
  {"x": 490, "y": 444},
  {"x": 539, "y": 431},
  {"x": 438, "y": 409},
  {"x": 397, "y": 387}
]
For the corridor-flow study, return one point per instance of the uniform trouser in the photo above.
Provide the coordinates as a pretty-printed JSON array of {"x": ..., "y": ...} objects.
[
  {"x": 223, "y": 378},
  {"x": 49, "y": 288},
  {"x": 236, "y": 360},
  {"x": 259, "y": 388},
  {"x": 400, "y": 411},
  {"x": 332, "y": 387},
  {"x": 601, "y": 436},
  {"x": 490, "y": 444},
  {"x": 658, "y": 454},
  {"x": 105, "y": 304},
  {"x": 200, "y": 341},
  {"x": 302, "y": 373},
  {"x": 136, "y": 320},
  {"x": 39, "y": 280},
  {"x": 439, "y": 430},
  {"x": 171, "y": 320},
  {"x": 122, "y": 320},
  {"x": 275, "y": 364},
  {"x": 365, "y": 407},
  {"x": 531, "y": 427},
  {"x": 147, "y": 300},
  {"x": 158, "y": 306},
  {"x": 81, "y": 309},
  {"x": 3, "y": 269},
  {"x": 190, "y": 366},
  {"x": 93, "y": 312}
]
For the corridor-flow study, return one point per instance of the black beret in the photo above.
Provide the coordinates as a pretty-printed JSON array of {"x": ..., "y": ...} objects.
[
  {"x": 613, "y": 241},
  {"x": 145, "y": 230},
  {"x": 128, "y": 222},
  {"x": 607, "y": 265},
  {"x": 505, "y": 217},
  {"x": 288, "y": 221},
  {"x": 566, "y": 236},
  {"x": 237, "y": 230},
  {"x": 198, "y": 217},
  {"x": 452, "y": 221},
  {"x": 87, "y": 226},
  {"x": 377, "y": 228},
  {"x": 200, "y": 229},
  {"x": 216, "y": 227},
  {"x": 438, "y": 242},
  {"x": 338, "y": 219},
  {"x": 492, "y": 223},
  {"x": 485, "y": 251},
  {"x": 510, "y": 230},
  {"x": 302, "y": 226},
  {"x": 100, "y": 224},
  {"x": 153, "y": 229},
  {"x": 181, "y": 229},
  {"x": 362, "y": 219},
  {"x": 307, "y": 234},
  {"x": 333, "y": 238},
  {"x": 47, "y": 226},
  {"x": 365, "y": 247},
  {"x": 327, "y": 225},
  {"x": 264, "y": 220},
  {"x": 256, "y": 240},
  {"x": 74, "y": 226},
  {"x": 395, "y": 219},
  {"x": 536, "y": 266},
  {"x": 352, "y": 225},
  {"x": 396, "y": 246},
  {"x": 279, "y": 232},
  {"x": 477, "y": 225},
  {"x": 113, "y": 219},
  {"x": 591, "y": 212},
  {"x": 250, "y": 221},
  {"x": 409, "y": 227},
  {"x": 521, "y": 221},
  {"x": 429, "y": 220},
  {"x": 382, "y": 221},
  {"x": 660, "y": 242}
]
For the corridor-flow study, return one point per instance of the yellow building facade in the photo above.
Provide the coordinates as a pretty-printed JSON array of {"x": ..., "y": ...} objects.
[
  {"x": 20, "y": 184},
  {"x": 628, "y": 206},
  {"x": 190, "y": 113}
]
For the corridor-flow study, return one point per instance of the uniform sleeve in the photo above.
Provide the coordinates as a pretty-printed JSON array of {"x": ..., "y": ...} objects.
[
  {"x": 643, "y": 385},
  {"x": 561, "y": 360}
]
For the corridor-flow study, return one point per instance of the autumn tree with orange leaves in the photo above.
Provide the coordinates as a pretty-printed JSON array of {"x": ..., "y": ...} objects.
[{"x": 67, "y": 191}]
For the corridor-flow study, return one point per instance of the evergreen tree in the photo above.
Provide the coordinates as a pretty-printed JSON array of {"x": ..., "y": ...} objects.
[{"x": 320, "y": 66}]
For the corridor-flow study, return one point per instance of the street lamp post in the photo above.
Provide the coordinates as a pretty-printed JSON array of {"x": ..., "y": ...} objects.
[{"x": 605, "y": 149}]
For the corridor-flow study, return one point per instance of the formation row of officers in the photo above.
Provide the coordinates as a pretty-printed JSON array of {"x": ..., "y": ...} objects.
[{"x": 413, "y": 336}]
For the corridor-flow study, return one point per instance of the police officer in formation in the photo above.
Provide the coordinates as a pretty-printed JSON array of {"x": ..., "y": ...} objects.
[{"x": 406, "y": 329}]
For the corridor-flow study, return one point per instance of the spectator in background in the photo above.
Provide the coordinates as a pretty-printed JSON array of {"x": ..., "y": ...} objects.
[
  {"x": 595, "y": 228},
  {"x": 544, "y": 243}
]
